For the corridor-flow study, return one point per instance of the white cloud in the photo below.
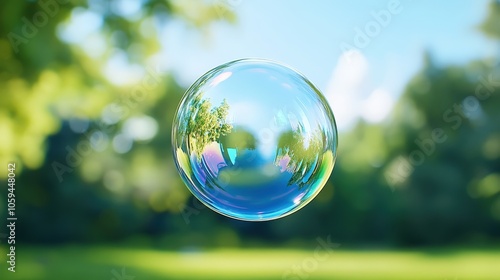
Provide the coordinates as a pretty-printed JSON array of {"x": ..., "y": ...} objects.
[
  {"x": 347, "y": 88},
  {"x": 377, "y": 106}
]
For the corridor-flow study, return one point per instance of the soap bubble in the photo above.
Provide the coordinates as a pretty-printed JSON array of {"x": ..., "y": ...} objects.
[{"x": 254, "y": 140}]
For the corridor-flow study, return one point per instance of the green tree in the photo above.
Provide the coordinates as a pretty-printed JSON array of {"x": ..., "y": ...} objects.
[
  {"x": 303, "y": 152},
  {"x": 205, "y": 124},
  {"x": 491, "y": 25},
  {"x": 49, "y": 79}
]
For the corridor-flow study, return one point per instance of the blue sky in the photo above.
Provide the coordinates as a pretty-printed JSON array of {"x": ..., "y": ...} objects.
[
  {"x": 360, "y": 54},
  {"x": 309, "y": 35}
]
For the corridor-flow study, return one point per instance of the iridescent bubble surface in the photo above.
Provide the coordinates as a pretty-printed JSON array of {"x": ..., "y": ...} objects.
[{"x": 254, "y": 140}]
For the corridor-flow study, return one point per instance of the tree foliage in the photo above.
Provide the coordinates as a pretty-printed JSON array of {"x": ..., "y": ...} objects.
[
  {"x": 429, "y": 175},
  {"x": 206, "y": 124}
]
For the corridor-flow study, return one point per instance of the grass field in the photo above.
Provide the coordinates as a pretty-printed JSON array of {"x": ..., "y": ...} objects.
[{"x": 108, "y": 263}]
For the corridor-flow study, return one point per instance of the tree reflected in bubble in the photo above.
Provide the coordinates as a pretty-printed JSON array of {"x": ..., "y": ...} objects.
[
  {"x": 299, "y": 155},
  {"x": 204, "y": 124}
]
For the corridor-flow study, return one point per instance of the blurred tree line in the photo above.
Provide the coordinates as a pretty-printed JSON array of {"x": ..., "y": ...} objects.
[{"x": 430, "y": 175}]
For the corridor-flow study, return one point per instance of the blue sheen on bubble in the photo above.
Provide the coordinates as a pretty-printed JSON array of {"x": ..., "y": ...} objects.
[{"x": 254, "y": 140}]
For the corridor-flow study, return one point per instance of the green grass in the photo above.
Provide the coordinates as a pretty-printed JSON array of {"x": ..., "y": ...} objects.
[{"x": 90, "y": 263}]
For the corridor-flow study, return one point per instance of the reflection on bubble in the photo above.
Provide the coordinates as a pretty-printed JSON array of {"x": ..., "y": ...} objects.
[{"x": 254, "y": 140}]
